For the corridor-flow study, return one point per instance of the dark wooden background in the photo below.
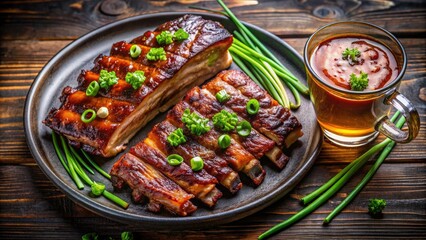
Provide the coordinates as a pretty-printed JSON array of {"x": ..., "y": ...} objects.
[{"x": 31, "y": 207}]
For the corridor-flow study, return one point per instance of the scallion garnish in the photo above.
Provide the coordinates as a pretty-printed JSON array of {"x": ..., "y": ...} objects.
[
  {"x": 97, "y": 188},
  {"x": 244, "y": 128},
  {"x": 174, "y": 159},
  {"x": 136, "y": 78},
  {"x": 107, "y": 79},
  {"x": 195, "y": 123},
  {"x": 222, "y": 96},
  {"x": 225, "y": 121},
  {"x": 252, "y": 106},
  {"x": 197, "y": 163},
  {"x": 156, "y": 54},
  {"x": 93, "y": 89},
  {"x": 126, "y": 236},
  {"x": 90, "y": 236},
  {"x": 224, "y": 141},
  {"x": 91, "y": 113},
  {"x": 252, "y": 55},
  {"x": 176, "y": 137},
  {"x": 180, "y": 35},
  {"x": 164, "y": 38},
  {"x": 135, "y": 51}
]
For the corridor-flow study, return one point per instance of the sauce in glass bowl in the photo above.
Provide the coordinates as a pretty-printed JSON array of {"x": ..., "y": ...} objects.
[{"x": 373, "y": 58}]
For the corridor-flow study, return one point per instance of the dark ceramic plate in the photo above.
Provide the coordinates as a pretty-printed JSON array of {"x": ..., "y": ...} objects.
[{"x": 63, "y": 70}]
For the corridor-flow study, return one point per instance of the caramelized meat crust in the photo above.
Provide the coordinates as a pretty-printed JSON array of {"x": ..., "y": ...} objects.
[
  {"x": 236, "y": 155},
  {"x": 207, "y": 105},
  {"x": 213, "y": 164},
  {"x": 146, "y": 181},
  {"x": 188, "y": 63},
  {"x": 272, "y": 120},
  {"x": 221, "y": 165},
  {"x": 200, "y": 183}
]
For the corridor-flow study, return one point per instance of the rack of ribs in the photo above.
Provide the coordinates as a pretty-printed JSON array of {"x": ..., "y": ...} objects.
[
  {"x": 273, "y": 128},
  {"x": 188, "y": 63}
]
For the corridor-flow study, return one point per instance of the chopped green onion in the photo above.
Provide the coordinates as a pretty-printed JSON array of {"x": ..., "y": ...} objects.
[
  {"x": 244, "y": 128},
  {"x": 85, "y": 113},
  {"x": 97, "y": 188},
  {"x": 376, "y": 206},
  {"x": 225, "y": 121},
  {"x": 195, "y": 123},
  {"x": 136, "y": 78},
  {"x": 181, "y": 35},
  {"x": 222, "y": 96},
  {"x": 90, "y": 236},
  {"x": 174, "y": 159},
  {"x": 164, "y": 38},
  {"x": 176, "y": 137},
  {"x": 212, "y": 58},
  {"x": 252, "y": 106},
  {"x": 156, "y": 54},
  {"x": 197, "y": 163},
  {"x": 126, "y": 236},
  {"x": 135, "y": 51},
  {"x": 107, "y": 79},
  {"x": 93, "y": 89},
  {"x": 224, "y": 141}
]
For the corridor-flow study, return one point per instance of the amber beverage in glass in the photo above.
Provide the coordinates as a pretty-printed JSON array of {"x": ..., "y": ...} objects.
[{"x": 354, "y": 118}]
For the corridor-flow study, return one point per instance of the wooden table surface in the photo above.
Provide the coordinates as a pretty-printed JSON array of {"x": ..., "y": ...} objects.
[{"x": 31, "y": 207}]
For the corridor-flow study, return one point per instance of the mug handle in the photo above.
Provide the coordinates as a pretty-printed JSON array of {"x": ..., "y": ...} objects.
[{"x": 402, "y": 104}]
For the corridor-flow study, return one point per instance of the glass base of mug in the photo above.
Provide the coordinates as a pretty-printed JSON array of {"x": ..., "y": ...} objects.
[{"x": 349, "y": 141}]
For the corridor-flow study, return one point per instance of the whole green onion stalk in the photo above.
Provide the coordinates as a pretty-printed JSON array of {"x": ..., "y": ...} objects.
[
  {"x": 336, "y": 183},
  {"x": 73, "y": 163},
  {"x": 261, "y": 65}
]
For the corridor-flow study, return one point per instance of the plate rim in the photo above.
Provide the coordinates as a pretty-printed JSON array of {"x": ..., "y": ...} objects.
[{"x": 172, "y": 222}]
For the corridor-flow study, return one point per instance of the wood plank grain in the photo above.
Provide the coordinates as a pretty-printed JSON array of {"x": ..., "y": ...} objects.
[
  {"x": 70, "y": 19},
  {"x": 34, "y": 207}
]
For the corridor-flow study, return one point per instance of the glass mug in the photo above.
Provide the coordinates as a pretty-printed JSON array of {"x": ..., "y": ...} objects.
[{"x": 352, "y": 118}]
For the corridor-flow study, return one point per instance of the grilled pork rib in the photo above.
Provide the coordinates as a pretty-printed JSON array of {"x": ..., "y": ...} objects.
[
  {"x": 255, "y": 143},
  {"x": 145, "y": 180},
  {"x": 242, "y": 155},
  {"x": 273, "y": 120},
  {"x": 213, "y": 164},
  {"x": 189, "y": 63},
  {"x": 236, "y": 155},
  {"x": 200, "y": 183}
]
